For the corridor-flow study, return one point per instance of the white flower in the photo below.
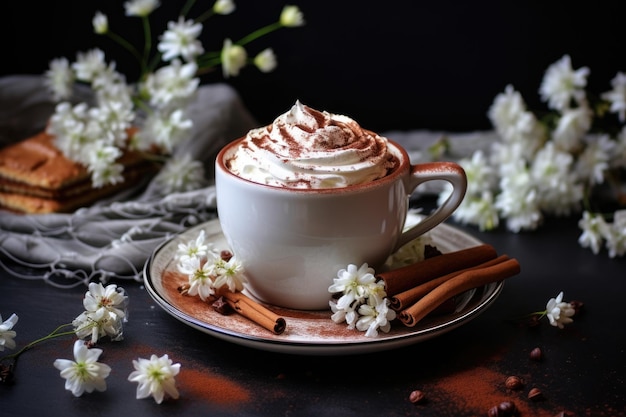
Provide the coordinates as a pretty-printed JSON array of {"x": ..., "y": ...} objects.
[
  {"x": 156, "y": 377},
  {"x": 479, "y": 210},
  {"x": 352, "y": 282},
  {"x": 224, "y": 7},
  {"x": 100, "y": 23},
  {"x": 513, "y": 122},
  {"x": 559, "y": 313},
  {"x": 194, "y": 248},
  {"x": 374, "y": 317},
  {"x": 111, "y": 299},
  {"x": 615, "y": 236},
  {"x": 594, "y": 228},
  {"x": 141, "y": 8},
  {"x": 518, "y": 201},
  {"x": 7, "y": 335},
  {"x": 199, "y": 274},
  {"x": 228, "y": 273},
  {"x": 105, "y": 313},
  {"x": 181, "y": 39},
  {"x": 561, "y": 84},
  {"x": 617, "y": 96},
  {"x": 89, "y": 64},
  {"x": 363, "y": 304},
  {"x": 291, "y": 16},
  {"x": 556, "y": 182},
  {"x": 181, "y": 174},
  {"x": 572, "y": 127},
  {"x": 84, "y": 373},
  {"x": 265, "y": 60},
  {"x": 97, "y": 324},
  {"x": 233, "y": 58},
  {"x": 593, "y": 162},
  {"x": 59, "y": 79},
  {"x": 172, "y": 85}
]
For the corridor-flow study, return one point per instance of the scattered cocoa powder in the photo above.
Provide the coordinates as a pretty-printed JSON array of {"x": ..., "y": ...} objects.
[
  {"x": 477, "y": 390},
  {"x": 201, "y": 383}
]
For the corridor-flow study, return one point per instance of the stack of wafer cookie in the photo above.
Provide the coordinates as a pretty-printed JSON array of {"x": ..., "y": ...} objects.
[{"x": 35, "y": 177}]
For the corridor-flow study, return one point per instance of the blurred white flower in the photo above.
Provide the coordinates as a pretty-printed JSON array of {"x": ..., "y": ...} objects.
[
  {"x": 552, "y": 165},
  {"x": 265, "y": 61},
  {"x": 141, "y": 8},
  {"x": 100, "y": 23},
  {"x": 617, "y": 96},
  {"x": 291, "y": 16},
  {"x": 181, "y": 174},
  {"x": 181, "y": 40},
  {"x": 562, "y": 84},
  {"x": 155, "y": 106},
  {"x": 233, "y": 58},
  {"x": 224, "y": 7}
]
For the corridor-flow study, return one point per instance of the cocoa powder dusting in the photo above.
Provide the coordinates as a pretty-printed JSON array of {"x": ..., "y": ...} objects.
[
  {"x": 216, "y": 389},
  {"x": 477, "y": 390}
]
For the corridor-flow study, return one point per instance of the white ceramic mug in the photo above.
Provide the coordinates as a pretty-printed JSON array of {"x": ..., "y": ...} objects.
[{"x": 292, "y": 242}]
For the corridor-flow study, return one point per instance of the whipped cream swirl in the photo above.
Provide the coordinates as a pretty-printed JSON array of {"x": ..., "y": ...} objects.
[{"x": 307, "y": 148}]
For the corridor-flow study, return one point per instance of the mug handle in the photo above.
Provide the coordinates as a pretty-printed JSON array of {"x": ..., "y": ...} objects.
[{"x": 421, "y": 173}]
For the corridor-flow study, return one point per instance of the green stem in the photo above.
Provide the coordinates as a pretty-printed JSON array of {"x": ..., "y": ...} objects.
[
  {"x": 188, "y": 5},
  {"x": 147, "y": 44},
  {"x": 258, "y": 33},
  {"x": 204, "y": 16},
  {"x": 52, "y": 335},
  {"x": 125, "y": 44}
]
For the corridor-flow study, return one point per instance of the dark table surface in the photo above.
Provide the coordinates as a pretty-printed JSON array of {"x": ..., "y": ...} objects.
[{"x": 462, "y": 372}]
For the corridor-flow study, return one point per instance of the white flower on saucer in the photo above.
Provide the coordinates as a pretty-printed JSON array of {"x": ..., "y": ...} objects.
[
  {"x": 352, "y": 282},
  {"x": 156, "y": 377},
  {"x": 374, "y": 317},
  {"x": 559, "y": 312},
  {"x": 7, "y": 335},
  {"x": 200, "y": 276},
  {"x": 228, "y": 273},
  {"x": 84, "y": 373},
  {"x": 192, "y": 249},
  {"x": 363, "y": 304}
]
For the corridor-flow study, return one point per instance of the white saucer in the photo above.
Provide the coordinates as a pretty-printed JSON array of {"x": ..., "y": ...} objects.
[{"x": 307, "y": 332}]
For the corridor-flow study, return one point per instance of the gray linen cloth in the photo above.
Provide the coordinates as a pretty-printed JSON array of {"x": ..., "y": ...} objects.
[{"x": 113, "y": 238}]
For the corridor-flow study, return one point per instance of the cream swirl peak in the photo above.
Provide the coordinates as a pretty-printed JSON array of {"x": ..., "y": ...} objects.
[{"x": 307, "y": 148}]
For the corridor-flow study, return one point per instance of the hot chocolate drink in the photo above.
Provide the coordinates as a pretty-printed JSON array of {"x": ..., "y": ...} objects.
[{"x": 306, "y": 148}]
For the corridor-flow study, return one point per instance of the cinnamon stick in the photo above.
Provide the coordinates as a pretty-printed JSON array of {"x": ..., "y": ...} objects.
[
  {"x": 407, "y": 298},
  {"x": 410, "y": 276},
  {"x": 460, "y": 283},
  {"x": 254, "y": 311}
]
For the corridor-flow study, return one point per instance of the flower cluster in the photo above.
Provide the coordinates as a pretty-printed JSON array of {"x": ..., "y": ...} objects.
[
  {"x": 362, "y": 302},
  {"x": 104, "y": 315},
  {"x": 555, "y": 164},
  {"x": 208, "y": 270},
  {"x": 148, "y": 116}
]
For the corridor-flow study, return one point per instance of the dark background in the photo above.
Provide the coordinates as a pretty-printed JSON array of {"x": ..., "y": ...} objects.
[{"x": 390, "y": 64}]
